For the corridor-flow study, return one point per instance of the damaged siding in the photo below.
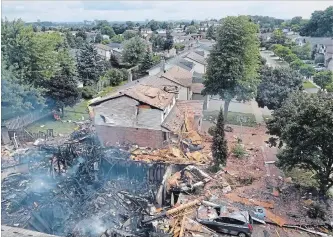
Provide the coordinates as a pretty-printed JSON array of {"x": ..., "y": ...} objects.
[{"x": 111, "y": 136}]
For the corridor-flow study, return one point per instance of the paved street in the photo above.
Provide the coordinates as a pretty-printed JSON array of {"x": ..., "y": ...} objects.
[{"x": 271, "y": 61}]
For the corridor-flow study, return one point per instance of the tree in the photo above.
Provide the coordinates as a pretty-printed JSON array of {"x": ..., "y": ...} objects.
[
  {"x": 70, "y": 39},
  {"x": 290, "y": 57},
  {"x": 275, "y": 86},
  {"x": 210, "y": 32},
  {"x": 129, "y": 34},
  {"x": 79, "y": 42},
  {"x": 89, "y": 65},
  {"x": 16, "y": 96},
  {"x": 157, "y": 41},
  {"x": 320, "y": 24},
  {"x": 153, "y": 25},
  {"x": 169, "y": 41},
  {"x": 117, "y": 39},
  {"x": 98, "y": 38},
  {"x": 134, "y": 50},
  {"x": 119, "y": 29},
  {"x": 107, "y": 30},
  {"x": 62, "y": 88},
  {"x": 297, "y": 64},
  {"x": 323, "y": 79},
  {"x": 113, "y": 76},
  {"x": 234, "y": 61},
  {"x": 281, "y": 51},
  {"x": 302, "y": 52},
  {"x": 81, "y": 33},
  {"x": 278, "y": 37},
  {"x": 191, "y": 29},
  {"x": 304, "y": 124},
  {"x": 219, "y": 145},
  {"x": 192, "y": 23},
  {"x": 129, "y": 25},
  {"x": 307, "y": 70},
  {"x": 147, "y": 62}
]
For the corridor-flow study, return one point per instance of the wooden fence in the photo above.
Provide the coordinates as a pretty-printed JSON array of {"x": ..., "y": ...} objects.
[{"x": 23, "y": 135}]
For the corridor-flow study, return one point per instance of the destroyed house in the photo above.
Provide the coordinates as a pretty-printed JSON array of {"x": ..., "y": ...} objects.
[{"x": 142, "y": 114}]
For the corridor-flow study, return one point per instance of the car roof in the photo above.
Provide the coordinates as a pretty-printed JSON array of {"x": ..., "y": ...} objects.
[{"x": 241, "y": 216}]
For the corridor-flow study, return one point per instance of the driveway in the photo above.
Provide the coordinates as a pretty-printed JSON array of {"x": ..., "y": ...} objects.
[{"x": 272, "y": 61}]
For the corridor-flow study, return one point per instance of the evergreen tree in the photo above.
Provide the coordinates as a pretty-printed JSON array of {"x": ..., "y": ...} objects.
[
  {"x": 169, "y": 41},
  {"x": 89, "y": 64},
  {"x": 210, "y": 32},
  {"x": 147, "y": 61},
  {"x": 219, "y": 146}
]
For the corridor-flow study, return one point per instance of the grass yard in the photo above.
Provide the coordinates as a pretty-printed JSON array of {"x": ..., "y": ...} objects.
[
  {"x": 76, "y": 113},
  {"x": 302, "y": 177},
  {"x": 250, "y": 120},
  {"x": 308, "y": 85},
  {"x": 109, "y": 89}
]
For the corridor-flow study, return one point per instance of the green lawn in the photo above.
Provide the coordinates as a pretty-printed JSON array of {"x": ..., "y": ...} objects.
[
  {"x": 250, "y": 120},
  {"x": 302, "y": 177},
  {"x": 308, "y": 85},
  {"x": 79, "y": 112}
]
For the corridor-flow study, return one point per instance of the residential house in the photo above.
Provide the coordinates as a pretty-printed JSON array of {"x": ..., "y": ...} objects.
[
  {"x": 183, "y": 79},
  {"x": 197, "y": 88},
  {"x": 91, "y": 36},
  {"x": 329, "y": 57},
  {"x": 144, "y": 115},
  {"x": 104, "y": 51},
  {"x": 199, "y": 61}
]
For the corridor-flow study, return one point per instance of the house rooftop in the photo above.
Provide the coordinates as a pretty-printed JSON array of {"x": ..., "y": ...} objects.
[
  {"x": 179, "y": 75},
  {"x": 197, "y": 58},
  {"x": 146, "y": 94},
  {"x": 103, "y": 47},
  {"x": 9, "y": 231},
  {"x": 194, "y": 107},
  {"x": 197, "y": 88},
  {"x": 174, "y": 120}
]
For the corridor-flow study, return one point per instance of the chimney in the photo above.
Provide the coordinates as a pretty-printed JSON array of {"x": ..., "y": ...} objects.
[
  {"x": 162, "y": 64},
  {"x": 130, "y": 76}
]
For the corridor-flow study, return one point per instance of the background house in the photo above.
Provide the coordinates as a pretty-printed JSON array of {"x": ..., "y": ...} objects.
[
  {"x": 104, "y": 51},
  {"x": 199, "y": 61}
]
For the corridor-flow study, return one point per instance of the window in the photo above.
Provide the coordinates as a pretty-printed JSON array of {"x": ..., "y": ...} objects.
[{"x": 165, "y": 136}]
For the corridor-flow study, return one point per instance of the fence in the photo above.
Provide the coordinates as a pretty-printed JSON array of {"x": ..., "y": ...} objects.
[
  {"x": 24, "y": 136},
  {"x": 22, "y": 121}
]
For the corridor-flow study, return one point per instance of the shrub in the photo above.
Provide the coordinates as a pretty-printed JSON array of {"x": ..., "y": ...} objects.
[
  {"x": 125, "y": 73},
  {"x": 238, "y": 151},
  {"x": 88, "y": 92}
]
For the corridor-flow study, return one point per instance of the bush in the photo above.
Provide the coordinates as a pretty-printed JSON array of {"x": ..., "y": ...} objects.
[
  {"x": 125, "y": 73},
  {"x": 88, "y": 92},
  {"x": 114, "y": 76},
  {"x": 319, "y": 59},
  {"x": 238, "y": 151}
]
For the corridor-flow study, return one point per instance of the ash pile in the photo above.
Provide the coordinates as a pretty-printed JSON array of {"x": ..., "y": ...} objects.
[{"x": 78, "y": 189}]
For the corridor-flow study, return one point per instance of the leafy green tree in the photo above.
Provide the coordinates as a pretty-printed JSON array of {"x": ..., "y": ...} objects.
[
  {"x": 297, "y": 64},
  {"x": 129, "y": 25},
  {"x": 233, "y": 63},
  {"x": 320, "y": 24},
  {"x": 119, "y": 29},
  {"x": 89, "y": 65},
  {"x": 80, "y": 42},
  {"x": 157, "y": 42},
  {"x": 281, "y": 51},
  {"x": 304, "y": 124},
  {"x": 107, "y": 30},
  {"x": 129, "y": 34},
  {"x": 117, "y": 39},
  {"x": 147, "y": 61},
  {"x": 106, "y": 41},
  {"x": 323, "y": 79},
  {"x": 192, "y": 23},
  {"x": 290, "y": 57},
  {"x": 153, "y": 25},
  {"x": 275, "y": 86},
  {"x": 70, "y": 39},
  {"x": 134, "y": 50},
  {"x": 210, "y": 32},
  {"x": 219, "y": 145},
  {"x": 307, "y": 70},
  {"x": 319, "y": 59},
  {"x": 81, "y": 33},
  {"x": 16, "y": 96},
  {"x": 98, "y": 38},
  {"x": 191, "y": 29},
  {"x": 302, "y": 52},
  {"x": 62, "y": 88},
  {"x": 278, "y": 37},
  {"x": 114, "y": 76},
  {"x": 169, "y": 41}
]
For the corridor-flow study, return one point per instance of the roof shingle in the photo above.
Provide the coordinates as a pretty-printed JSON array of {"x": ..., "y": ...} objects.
[{"x": 179, "y": 75}]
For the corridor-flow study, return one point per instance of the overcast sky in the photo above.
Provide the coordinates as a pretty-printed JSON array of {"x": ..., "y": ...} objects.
[{"x": 61, "y": 11}]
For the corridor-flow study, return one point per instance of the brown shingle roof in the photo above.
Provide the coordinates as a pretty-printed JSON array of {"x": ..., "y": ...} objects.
[
  {"x": 152, "y": 96},
  {"x": 174, "y": 121},
  {"x": 196, "y": 57},
  {"x": 197, "y": 88},
  {"x": 179, "y": 75},
  {"x": 190, "y": 106}
]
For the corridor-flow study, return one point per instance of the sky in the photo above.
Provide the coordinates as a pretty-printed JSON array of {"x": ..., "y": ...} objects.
[{"x": 75, "y": 11}]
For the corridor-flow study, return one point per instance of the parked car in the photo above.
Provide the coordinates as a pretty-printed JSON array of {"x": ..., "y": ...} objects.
[{"x": 235, "y": 223}]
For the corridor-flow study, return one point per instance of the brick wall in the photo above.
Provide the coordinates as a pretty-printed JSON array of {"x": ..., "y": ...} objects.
[{"x": 142, "y": 137}]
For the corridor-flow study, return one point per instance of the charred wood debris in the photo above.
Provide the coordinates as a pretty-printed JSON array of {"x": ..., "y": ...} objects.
[{"x": 78, "y": 189}]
